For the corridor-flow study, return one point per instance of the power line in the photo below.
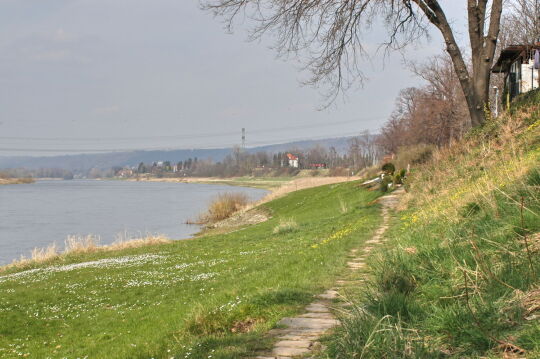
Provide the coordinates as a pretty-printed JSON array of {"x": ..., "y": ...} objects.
[
  {"x": 188, "y": 136},
  {"x": 199, "y": 146}
]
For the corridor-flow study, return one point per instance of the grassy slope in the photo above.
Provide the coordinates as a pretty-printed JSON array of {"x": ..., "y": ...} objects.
[
  {"x": 456, "y": 280},
  {"x": 211, "y": 296}
]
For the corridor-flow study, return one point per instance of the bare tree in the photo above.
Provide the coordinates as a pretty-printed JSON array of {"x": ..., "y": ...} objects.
[
  {"x": 521, "y": 23},
  {"x": 433, "y": 114},
  {"x": 330, "y": 31}
]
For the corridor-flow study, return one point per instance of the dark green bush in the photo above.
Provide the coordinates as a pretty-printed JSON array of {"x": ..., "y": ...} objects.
[
  {"x": 403, "y": 172},
  {"x": 389, "y": 168},
  {"x": 385, "y": 182}
]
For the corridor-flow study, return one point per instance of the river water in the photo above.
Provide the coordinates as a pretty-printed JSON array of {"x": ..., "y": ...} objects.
[{"x": 38, "y": 214}]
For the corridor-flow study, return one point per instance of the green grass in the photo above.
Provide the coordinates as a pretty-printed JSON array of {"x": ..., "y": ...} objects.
[
  {"x": 213, "y": 296},
  {"x": 255, "y": 182},
  {"x": 455, "y": 275}
]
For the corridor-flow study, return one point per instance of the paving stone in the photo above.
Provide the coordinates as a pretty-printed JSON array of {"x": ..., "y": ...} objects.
[
  {"x": 317, "y": 315},
  {"x": 312, "y": 323},
  {"x": 309, "y": 336},
  {"x": 317, "y": 308},
  {"x": 294, "y": 343},
  {"x": 329, "y": 294},
  {"x": 289, "y": 352}
]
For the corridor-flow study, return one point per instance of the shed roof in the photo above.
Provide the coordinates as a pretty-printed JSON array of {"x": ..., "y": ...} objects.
[{"x": 510, "y": 54}]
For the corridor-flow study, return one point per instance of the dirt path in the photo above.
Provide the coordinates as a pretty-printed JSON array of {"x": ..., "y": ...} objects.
[{"x": 300, "y": 334}]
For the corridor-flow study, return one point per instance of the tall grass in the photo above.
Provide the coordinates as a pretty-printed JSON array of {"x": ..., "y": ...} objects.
[
  {"x": 223, "y": 206},
  {"x": 83, "y": 244}
]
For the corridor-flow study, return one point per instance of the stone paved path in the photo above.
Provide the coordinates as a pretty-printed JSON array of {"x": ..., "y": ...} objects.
[{"x": 301, "y": 333}]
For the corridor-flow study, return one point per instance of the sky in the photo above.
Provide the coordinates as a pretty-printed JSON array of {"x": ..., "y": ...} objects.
[{"x": 100, "y": 75}]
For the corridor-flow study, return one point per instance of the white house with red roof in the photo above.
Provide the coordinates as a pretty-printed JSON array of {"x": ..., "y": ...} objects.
[{"x": 293, "y": 160}]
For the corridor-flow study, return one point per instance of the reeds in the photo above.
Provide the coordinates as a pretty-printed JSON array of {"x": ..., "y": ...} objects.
[
  {"x": 84, "y": 244},
  {"x": 223, "y": 206}
]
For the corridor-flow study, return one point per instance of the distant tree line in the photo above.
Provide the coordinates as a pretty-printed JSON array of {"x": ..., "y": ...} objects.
[
  {"x": 363, "y": 151},
  {"x": 36, "y": 173}
]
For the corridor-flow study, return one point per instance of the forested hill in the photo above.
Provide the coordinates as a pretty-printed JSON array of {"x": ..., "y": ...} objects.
[{"x": 84, "y": 162}]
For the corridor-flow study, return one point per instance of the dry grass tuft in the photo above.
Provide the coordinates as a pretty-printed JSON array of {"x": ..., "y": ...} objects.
[
  {"x": 285, "y": 226},
  {"x": 83, "y": 244},
  {"x": 343, "y": 208},
  {"x": 40, "y": 255},
  {"x": 124, "y": 242},
  {"x": 223, "y": 206}
]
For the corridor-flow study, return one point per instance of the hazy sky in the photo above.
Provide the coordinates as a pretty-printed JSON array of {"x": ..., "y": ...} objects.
[{"x": 143, "y": 74}]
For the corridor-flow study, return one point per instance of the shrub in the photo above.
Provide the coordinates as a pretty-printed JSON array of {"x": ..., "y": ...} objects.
[
  {"x": 389, "y": 168},
  {"x": 403, "y": 172},
  {"x": 414, "y": 155},
  {"x": 398, "y": 179},
  {"x": 385, "y": 182},
  {"x": 285, "y": 226},
  {"x": 223, "y": 206}
]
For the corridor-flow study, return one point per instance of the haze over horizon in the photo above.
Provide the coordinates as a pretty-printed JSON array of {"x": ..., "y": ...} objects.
[{"x": 117, "y": 75}]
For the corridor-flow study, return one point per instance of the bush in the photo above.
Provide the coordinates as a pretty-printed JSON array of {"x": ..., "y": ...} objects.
[
  {"x": 414, "y": 155},
  {"x": 385, "y": 182},
  {"x": 398, "y": 179},
  {"x": 403, "y": 173},
  {"x": 223, "y": 206},
  {"x": 389, "y": 168}
]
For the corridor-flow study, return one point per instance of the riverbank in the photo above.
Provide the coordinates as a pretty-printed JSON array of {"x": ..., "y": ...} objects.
[
  {"x": 267, "y": 183},
  {"x": 6, "y": 181},
  {"x": 278, "y": 186},
  {"x": 215, "y": 295}
]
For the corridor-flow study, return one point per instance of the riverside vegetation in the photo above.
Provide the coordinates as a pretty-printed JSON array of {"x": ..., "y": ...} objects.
[
  {"x": 210, "y": 297},
  {"x": 460, "y": 274},
  {"x": 458, "y": 277}
]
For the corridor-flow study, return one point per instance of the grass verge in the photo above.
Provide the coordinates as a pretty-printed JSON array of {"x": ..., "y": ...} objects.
[{"x": 214, "y": 296}]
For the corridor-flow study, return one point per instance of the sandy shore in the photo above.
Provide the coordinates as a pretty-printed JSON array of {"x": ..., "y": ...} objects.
[{"x": 16, "y": 180}]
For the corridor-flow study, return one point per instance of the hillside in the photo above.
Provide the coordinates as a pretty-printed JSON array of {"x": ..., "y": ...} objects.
[
  {"x": 460, "y": 274},
  {"x": 85, "y": 162}
]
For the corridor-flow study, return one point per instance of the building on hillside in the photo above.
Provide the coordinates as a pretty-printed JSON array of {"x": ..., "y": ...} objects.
[
  {"x": 388, "y": 158},
  {"x": 293, "y": 160},
  {"x": 125, "y": 172},
  {"x": 520, "y": 65},
  {"x": 318, "y": 166}
]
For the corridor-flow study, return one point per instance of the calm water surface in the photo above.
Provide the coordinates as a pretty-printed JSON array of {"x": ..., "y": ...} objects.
[{"x": 38, "y": 214}]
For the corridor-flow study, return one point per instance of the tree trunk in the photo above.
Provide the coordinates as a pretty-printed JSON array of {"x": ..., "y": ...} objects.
[{"x": 475, "y": 86}]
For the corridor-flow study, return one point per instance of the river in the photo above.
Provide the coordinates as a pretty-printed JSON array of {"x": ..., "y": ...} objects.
[{"x": 38, "y": 214}]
